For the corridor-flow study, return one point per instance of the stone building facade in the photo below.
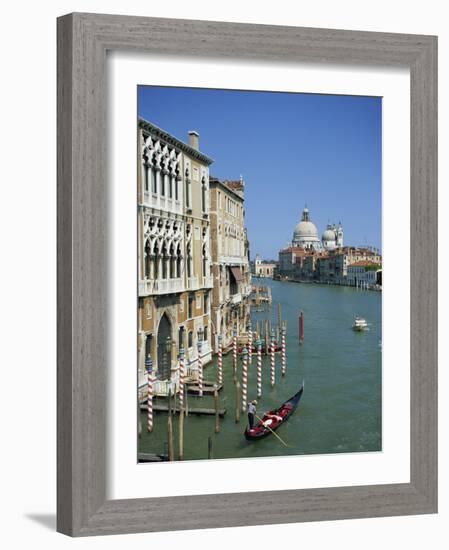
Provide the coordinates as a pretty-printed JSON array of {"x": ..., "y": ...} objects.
[
  {"x": 230, "y": 259},
  {"x": 263, "y": 268},
  {"x": 364, "y": 273},
  {"x": 174, "y": 257},
  {"x": 325, "y": 266}
]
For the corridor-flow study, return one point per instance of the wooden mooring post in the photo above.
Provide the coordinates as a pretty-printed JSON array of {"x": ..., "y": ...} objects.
[
  {"x": 217, "y": 410},
  {"x": 237, "y": 401},
  {"x": 210, "y": 453},
  {"x": 170, "y": 429},
  {"x": 301, "y": 327},
  {"x": 278, "y": 329},
  {"x": 181, "y": 434}
]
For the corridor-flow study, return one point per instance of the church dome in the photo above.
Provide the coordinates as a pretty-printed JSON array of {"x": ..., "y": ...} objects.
[
  {"x": 328, "y": 235},
  {"x": 306, "y": 233},
  {"x": 305, "y": 230}
]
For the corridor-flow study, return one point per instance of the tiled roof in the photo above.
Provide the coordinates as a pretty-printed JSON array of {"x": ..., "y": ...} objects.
[{"x": 363, "y": 263}]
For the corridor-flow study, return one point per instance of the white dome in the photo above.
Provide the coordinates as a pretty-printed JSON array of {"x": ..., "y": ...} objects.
[
  {"x": 305, "y": 230},
  {"x": 306, "y": 233},
  {"x": 328, "y": 235}
]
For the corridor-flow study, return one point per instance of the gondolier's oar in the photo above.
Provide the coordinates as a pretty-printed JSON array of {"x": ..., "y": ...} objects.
[{"x": 273, "y": 432}]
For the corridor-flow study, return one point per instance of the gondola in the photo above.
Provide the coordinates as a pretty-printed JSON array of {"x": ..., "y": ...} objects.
[{"x": 272, "y": 419}]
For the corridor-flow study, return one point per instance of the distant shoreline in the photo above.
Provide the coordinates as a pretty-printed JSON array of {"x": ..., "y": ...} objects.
[{"x": 306, "y": 281}]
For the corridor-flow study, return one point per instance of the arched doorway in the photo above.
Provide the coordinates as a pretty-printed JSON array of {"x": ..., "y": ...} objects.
[{"x": 164, "y": 348}]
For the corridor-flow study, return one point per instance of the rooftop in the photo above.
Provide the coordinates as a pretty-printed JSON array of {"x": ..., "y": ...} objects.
[
  {"x": 236, "y": 187},
  {"x": 159, "y": 133}
]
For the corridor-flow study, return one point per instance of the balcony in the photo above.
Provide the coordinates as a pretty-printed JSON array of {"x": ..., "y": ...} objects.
[
  {"x": 236, "y": 298},
  {"x": 208, "y": 281},
  {"x": 165, "y": 286},
  {"x": 233, "y": 260},
  {"x": 192, "y": 283}
]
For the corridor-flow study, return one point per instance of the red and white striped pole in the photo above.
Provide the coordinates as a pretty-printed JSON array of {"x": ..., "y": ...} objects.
[
  {"x": 244, "y": 378},
  {"x": 250, "y": 344},
  {"x": 259, "y": 368},
  {"x": 200, "y": 371},
  {"x": 149, "y": 368},
  {"x": 182, "y": 374},
  {"x": 234, "y": 353},
  {"x": 220, "y": 361},
  {"x": 272, "y": 365},
  {"x": 283, "y": 364}
]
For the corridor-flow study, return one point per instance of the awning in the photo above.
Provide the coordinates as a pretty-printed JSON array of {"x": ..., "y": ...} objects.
[{"x": 237, "y": 272}]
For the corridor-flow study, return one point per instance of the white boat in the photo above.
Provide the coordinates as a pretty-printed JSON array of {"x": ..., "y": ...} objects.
[{"x": 360, "y": 324}]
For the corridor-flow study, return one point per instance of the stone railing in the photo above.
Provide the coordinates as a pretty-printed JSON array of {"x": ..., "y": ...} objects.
[
  {"x": 192, "y": 283},
  {"x": 162, "y": 286},
  {"x": 163, "y": 387},
  {"x": 208, "y": 281}
]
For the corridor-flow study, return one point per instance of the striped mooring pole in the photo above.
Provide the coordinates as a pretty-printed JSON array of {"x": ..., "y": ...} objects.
[
  {"x": 200, "y": 371},
  {"x": 244, "y": 378},
  {"x": 272, "y": 363},
  {"x": 149, "y": 368},
  {"x": 250, "y": 343},
  {"x": 182, "y": 374},
  {"x": 283, "y": 364},
  {"x": 234, "y": 352},
  {"x": 220, "y": 361},
  {"x": 259, "y": 368}
]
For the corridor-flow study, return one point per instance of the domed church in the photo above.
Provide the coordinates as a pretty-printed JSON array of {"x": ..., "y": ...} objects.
[{"x": 305, "y": 235}]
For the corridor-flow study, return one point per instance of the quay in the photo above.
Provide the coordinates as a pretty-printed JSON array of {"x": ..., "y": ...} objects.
[
  {"x": 208, "y": 388},
  {"x": 260, "y": 297},
  {"x": 163, "y": 407}
]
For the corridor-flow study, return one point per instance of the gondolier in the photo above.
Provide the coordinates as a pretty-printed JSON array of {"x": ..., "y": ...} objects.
[
  {"x": 251, "y": 413},
  {"x": 272, "y": 419}
]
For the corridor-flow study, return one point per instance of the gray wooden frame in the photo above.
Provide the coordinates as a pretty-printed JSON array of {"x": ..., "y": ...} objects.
[{"x": 83, "y": 40}]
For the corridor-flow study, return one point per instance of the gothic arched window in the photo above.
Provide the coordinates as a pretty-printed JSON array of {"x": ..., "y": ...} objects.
[{"x": 203, "y": 195}]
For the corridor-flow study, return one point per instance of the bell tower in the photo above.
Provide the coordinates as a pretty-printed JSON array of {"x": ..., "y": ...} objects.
[{"x": 340, "y": 235}]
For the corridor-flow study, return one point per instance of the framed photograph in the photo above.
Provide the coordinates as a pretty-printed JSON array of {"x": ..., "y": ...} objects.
[{"x": 247, "y": 274}]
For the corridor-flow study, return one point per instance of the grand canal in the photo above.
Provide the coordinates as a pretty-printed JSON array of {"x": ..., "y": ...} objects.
[{"x": 340, "y": 410}]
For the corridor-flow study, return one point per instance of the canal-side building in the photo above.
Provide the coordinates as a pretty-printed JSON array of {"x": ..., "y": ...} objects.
[
  {"x": 308, "y": 258},
  {"x": 174, "y": 256},
  {"x": 290, "y": 260},
  {"x": 263, "y": 268},
  {"x": 348, "y": 255},
  {"x": 230, "y": 259},
  {"x": 364, "y": 273}
]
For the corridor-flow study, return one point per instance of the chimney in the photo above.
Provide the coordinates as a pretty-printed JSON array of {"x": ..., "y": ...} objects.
[{"x": 194, "y": 139}]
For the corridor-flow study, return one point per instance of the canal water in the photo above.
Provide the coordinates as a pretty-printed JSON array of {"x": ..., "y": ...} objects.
[{"x": 340, "y": 410}]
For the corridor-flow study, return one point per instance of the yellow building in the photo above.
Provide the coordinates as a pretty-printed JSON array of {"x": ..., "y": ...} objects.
[
  {"x": 230, "y": 259},
  {"x": 174, "y": 269}
]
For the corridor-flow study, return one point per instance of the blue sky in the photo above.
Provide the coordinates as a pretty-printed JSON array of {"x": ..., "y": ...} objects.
[{"x": 292, "y": 149}]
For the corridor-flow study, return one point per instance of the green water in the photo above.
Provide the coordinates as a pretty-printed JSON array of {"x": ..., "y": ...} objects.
[{"x": 340, "y": 410}]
